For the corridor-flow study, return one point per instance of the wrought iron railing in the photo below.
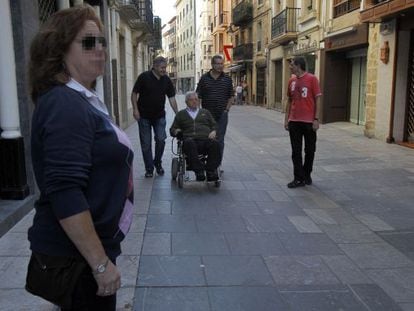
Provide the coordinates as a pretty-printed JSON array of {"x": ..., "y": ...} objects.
[
  {"x": 243, "y": 13},
  {"x": 285, "y": 22},
  {"x": 342, "y": 7},
  {"x": 243, "y": 52}
]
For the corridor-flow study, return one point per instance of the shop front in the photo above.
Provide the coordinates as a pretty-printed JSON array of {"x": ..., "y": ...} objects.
[{"x": 344, "y": 75}]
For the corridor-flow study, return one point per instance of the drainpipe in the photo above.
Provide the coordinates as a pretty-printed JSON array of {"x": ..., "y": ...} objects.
[{"x": 390, "y": 138}]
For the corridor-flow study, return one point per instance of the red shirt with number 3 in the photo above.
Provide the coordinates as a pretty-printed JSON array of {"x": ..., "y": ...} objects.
[{"x": 303, "y": 92}]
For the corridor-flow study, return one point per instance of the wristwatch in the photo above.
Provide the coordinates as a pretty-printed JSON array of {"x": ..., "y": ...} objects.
[{"x": 101, "y": 268}]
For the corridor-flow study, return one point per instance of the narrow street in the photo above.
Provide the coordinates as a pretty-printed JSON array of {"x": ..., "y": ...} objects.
[{"x": 344, "y": 243}]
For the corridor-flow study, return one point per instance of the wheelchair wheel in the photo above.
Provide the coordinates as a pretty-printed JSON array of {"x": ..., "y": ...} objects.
[
  {"x": 174, "y": 168},
  {"x": 180, "y": 180}
]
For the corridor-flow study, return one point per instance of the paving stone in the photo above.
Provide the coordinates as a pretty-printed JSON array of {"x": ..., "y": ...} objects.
[
  {"x": 170, "y": 223},
  {"x": 236, "y": 209},
  {"x": 13, "y": 272},
  {"x": 250, "y": 195},
  {"x": 373, "y": 222},
  {"x": 401, "y": 240},
  {"x": 320, "y": 216},
  {"x": 286, "y": 208},
  {"x": 397, "y": 282},
  {"x": 350, "y": 233},
  {"x": 160, "y": 207},
  {"x": 260, "y": 185},
  {"x": 375, "y": 298},
  {"x": 308, "y": 244},
  {"x": 124, "y": 299},
  {"x": 157, "y": 244},
  {"x": 220, "y": 223},
  {"x": 299, "y": 270},
  {"x": 236, "y": 270},
  {"x": 128, "y": 266},
  {"x": 375, "y": 256},
  {"x": 322, "y": 300},
  {"x": 21, "y": 300},
  {"x": 254, "y": 244},
  {"x": 171, "y": 299},
  {"x": 304, "y": 224},
  {"x": 138, "y": 224},
  {"x": 14, "y": 244},
  {"x": 245, "y": 299},
  {"x": 199, "y": 244},
  {"x": 346, "y": 270},
  {"x": 279, "y": 196},
  {"x": 407, "y": 306},
  {"x": 132, "y": 244},
  {"x": 268, "y": 223},
  {"x": 170, "y": 271},
  {"x": 232, "y": 185}
]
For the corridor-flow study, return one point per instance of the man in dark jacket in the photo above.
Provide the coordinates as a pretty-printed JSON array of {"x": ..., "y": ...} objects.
[{"x": 198, "y": 130}]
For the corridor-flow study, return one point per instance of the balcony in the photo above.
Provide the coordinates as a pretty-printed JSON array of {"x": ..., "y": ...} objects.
[
  {"x": 171, "y": 46},
  {"x": 381, "y": 10},
  {"x": 342, "y": 7},
  {"x": 137, "y": 14},
  {"x": 285, "y": 25},
  {"x": 171, "y": 60},
  {"x": 156, "y": 40},
  {"x": 243, "y": 52},
  {"x": 242, "y": 13}
]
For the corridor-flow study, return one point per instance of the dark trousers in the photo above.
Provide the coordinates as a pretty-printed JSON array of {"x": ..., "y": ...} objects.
[
  {"x": 297, "y": 132},
  {"x": 210, "y": 147},
  {"x": 221, "y": 132},
  {"x": 85, "y": 298}
]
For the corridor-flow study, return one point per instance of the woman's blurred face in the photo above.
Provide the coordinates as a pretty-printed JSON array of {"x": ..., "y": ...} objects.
[{"x": 85, "y": 59}]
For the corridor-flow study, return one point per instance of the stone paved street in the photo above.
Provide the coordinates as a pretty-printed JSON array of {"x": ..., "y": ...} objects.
[{"x": 345, "y": 243}]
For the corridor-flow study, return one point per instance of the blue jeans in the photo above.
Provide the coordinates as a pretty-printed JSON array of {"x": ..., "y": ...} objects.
[
  {"x": 145, "y": 137},
  {"x": 222, "y": 127}
]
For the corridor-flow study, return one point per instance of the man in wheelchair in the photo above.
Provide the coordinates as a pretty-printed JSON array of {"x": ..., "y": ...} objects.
[{"x": 197, "y": 128}]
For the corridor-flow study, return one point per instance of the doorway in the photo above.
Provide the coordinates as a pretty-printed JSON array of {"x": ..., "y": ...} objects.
[
  {"x": 278, "y": 84},
  {"x": 358, "y": 89},
  {"x": 260, "y": 86},
  {"x": 409, "y": 128}
]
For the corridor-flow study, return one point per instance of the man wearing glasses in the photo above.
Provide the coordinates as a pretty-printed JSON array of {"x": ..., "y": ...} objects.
[
  {"x": 215, "y": 90},
  {"x": 148, "y": 102}
]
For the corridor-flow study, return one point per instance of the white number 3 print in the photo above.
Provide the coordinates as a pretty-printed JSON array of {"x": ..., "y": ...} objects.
[{"x": 304, "y": 92}]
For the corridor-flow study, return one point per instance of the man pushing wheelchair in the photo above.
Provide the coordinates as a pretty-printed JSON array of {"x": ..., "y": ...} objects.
[{"x": 197, "y": 129}]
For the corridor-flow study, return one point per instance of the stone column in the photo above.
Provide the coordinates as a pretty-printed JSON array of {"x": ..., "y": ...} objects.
[
  {"x": 13, "y": 178},
  {"x": 9, "y": 111}
]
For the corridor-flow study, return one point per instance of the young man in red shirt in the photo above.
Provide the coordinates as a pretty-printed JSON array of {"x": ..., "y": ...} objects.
[{"x": 302, "y": 120}]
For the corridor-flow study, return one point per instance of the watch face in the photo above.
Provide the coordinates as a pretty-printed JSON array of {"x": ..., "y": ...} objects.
[{"x": 101, "y": 268}]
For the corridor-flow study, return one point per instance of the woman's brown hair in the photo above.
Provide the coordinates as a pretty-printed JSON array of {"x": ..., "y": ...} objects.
[{"x": 51, "y": 43}]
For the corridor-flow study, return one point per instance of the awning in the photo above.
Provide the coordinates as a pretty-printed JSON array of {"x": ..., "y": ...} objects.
[{"x": 234, "y": 68}]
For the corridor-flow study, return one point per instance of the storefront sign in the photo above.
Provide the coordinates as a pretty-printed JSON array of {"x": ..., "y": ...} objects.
[
  {"x": 343, "y": 40},
  {"x": 305, "y": 47}
]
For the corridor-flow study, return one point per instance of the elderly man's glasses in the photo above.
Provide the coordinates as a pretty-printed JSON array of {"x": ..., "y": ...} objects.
[{"x": 90, "y": 42}]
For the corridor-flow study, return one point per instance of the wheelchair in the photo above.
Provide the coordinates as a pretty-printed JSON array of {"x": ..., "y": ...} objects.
[{"x": 180, "y": 168}]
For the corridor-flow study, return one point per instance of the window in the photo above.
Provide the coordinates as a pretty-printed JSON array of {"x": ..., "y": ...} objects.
[{"x": 341, "y": 7}]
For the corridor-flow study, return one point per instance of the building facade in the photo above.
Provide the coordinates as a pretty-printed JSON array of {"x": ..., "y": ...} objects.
[
  {"x": 186, "y": 38},
  {"x": 170, "y": 48},
  {"x": 204, "y": 39}
]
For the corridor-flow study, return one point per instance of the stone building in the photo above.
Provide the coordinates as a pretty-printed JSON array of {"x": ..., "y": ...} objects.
[{"x": 186, "y": 38}]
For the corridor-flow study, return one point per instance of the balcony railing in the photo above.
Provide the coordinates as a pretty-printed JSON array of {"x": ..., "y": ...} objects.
[
  {"x": 380, "y": 10},
  {"x": 285, "y": 25},
  {"x": 342, "y": 7},
  {"x": 137, "y": 13},
  {"x": 243, "y": 13},
  {"x": 156, "y": 40},
  {"x": 243, "y": 52}
]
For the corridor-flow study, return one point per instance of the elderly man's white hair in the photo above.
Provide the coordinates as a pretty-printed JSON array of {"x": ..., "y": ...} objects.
[{"x": 189, "y": 94}]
